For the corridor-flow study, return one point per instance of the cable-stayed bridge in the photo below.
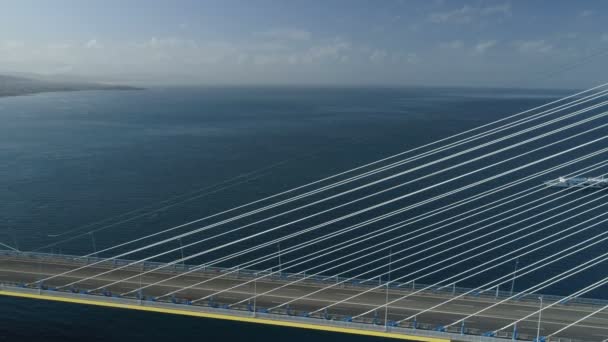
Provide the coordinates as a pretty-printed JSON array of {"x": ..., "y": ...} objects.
[
  {"x": 459, "y": 239},
  {"x": 32, "y": 266}
]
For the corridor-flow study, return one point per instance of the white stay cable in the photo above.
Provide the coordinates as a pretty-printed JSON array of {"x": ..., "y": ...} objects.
[
  {"x": 494, "y": 248},
  {"x": 603, "y": 308},
  {"x": 9, "y": 247},
  {"x": 369, "y": 184},
  {"x": 473, "y": 256},
  {"x": 527, "y": 269},
  {"x": 494, "y": 266},
  {"x": 443, "y": 251},
  {"x": 367, "y": 236},
  {"x": 586, "y": 99},
  {"x": 382, "y": 231},
  {"x": 442, "y": 237},
  {"x": 555, "y": 279},
  {"x": 353, "y": 214},
  {"x": 360, "y": 187},
  {"x": 168, "y": 204},
  {"x": 362, "y": 210},
  {"x": 547, "y": 283},
  {"x": 370, "y": 235},
  {"x": 345, "y": 244},
  {"x": 368, "y": 208}
]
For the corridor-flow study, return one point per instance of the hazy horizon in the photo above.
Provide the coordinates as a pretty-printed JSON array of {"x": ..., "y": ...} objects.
[{"x": 504, "y": 44}]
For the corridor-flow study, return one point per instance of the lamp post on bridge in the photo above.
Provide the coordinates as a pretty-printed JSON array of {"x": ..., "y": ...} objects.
[
  {"x": 280, "y": 264},
  {"x": 514, "y": 276},
  {"x": 390, "y": 259},
  {"x": 255, "y": 292},
  {"x": 93, "y": 243},
  {"x": 140, "y": 291},
  {"x": 181, "y": 248},
  {"x": 540, "y": 312}
]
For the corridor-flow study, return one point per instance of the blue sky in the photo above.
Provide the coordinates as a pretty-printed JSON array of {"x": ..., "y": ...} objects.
[{"x": 468, "y": 43}]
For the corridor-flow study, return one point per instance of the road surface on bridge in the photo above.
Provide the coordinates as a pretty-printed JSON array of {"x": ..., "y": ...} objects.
[{"x": 15, "y": 269}]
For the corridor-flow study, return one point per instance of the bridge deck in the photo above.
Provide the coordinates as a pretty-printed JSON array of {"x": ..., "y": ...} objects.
[{"x": 25, "y": 269}]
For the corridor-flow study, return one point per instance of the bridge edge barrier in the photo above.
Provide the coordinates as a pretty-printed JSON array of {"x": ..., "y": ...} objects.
[{"x": 257, "y": 320}]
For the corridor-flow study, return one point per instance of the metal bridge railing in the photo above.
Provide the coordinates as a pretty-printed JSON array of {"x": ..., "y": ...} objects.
[
  {"x": 450, "y": 290},
  {"x": 422, "y": 330}
]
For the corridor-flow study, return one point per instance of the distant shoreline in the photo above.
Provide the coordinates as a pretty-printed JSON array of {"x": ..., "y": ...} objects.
[
  {"x": 19, "y": 86},
  {"x": 27, "y": 93}
]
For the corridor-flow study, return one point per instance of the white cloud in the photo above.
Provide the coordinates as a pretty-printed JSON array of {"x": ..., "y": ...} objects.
[
  {"x": 59, "y": 46},
  {"x": 378, "y": 56},
  {"x": 11, "y": 45},
  {"x": 504, "y": 9},
  {"x": 468, "y": 14},
  {"x": 328, "y": 50},
  {"x": 292, "y": 60},
  {"x": 410, "y": 58},
  {"x": 285, "y": 34},
  {"x": 167, "y": 59},
  {"x": 169, "y": 42},
  {"x": 93, "y": 44},
  {"x": 454, "y": 44},
  {"x": 534, "y": 46},
  {"x": 242, "y": 58},
  {"x": 462, "y": 15},
  {"x": 334, "y": 50},
  {"x": 271, "y": 59},
  {"x": 482, "y": 47},
  {"x": 259, "y": 53},
  {"x": 586, "y": 13}
]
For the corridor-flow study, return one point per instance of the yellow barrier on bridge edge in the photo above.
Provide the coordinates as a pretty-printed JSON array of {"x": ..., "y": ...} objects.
[{"x": 227, "y": 317}]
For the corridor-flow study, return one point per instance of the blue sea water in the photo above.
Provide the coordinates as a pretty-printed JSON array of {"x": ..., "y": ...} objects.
[{"x": 71, "y": 159}]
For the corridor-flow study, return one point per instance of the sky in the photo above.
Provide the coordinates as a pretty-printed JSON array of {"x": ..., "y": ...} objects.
[{"x": 552, "y": 43}]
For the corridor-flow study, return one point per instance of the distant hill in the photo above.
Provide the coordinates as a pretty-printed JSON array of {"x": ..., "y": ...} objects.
[{"x": 14, "y": 85}]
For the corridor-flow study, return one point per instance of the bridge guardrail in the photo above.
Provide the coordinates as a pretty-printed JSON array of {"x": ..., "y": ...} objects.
[
  {"x": 448, "y": 290},
  {"x": 423, "y": 329}
]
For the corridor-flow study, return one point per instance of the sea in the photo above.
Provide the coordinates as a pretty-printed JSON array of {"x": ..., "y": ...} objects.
[{"x": 83, "y": 171}]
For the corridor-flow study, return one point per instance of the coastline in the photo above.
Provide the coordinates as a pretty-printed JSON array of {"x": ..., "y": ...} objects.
[{"x": 36, "y": 92}]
